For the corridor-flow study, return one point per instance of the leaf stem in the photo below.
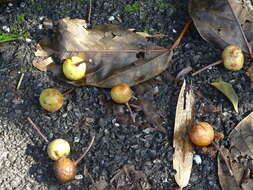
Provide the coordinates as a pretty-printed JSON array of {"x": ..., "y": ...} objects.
[
  {"x": 118, "y": 50},
  {"x": 86, "y": 151},
  {"x": 69, "y": 91},
  {"x": 181, "y": 35},
  {"x": 223, "y": 157},
  {"x": 207, "y": 67},
  {"x": 240, "y": 27},
  {"x": 37, "y": 129}
]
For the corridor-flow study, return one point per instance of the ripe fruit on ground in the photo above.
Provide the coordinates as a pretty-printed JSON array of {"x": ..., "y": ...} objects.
[
  {"x": 233, "y": 58},
  {"x": 202, "y": 134},
  {"x": 51, "y": 99},
  {"x": 65, "y": 169},
  {"x": 58, "y": 148},
  {"x": 121, "y": 93},
  {"x": 74, "y": 68}
]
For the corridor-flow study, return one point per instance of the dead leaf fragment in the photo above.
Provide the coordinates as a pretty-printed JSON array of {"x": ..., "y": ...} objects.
[
  {"x": 240, "y": 154},
  {"x": 128, "y": 178},
  {"x": 249, "y": 73},
  {"x": 107, "y": 69},
  {"x": 228, "y": 90},
  {"x": 183, "y": 156},
  {"x": 44, "y": 64},
  {"x": 216, "y": 23}
]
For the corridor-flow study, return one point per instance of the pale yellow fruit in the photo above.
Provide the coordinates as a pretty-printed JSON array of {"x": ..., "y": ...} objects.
[
  {"x": 58, "y": 148},
  {"x": 51, "y": 99},
  {"x": 74, "y": 68},
  {"x": 233, "y": 58}
]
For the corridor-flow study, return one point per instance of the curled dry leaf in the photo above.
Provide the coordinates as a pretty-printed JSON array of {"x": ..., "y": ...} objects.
[
  {"x": 183, "y": 156},
  {"x": 240, "y": 154},
  {"x": 107, "y": 69},
  {"x": 44, "y": 64},
  {"x": 216, "y": 22},
  {"x": 129, "y": 178},
  {"x": 228, "y": 90}
]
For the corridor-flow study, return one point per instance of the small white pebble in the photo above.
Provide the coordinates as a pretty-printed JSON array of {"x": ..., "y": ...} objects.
[
  {"x": 78, "y": 177},
  {"x": 22, "y": 4},
  {"x": 6, "y": 29},
  {"x": 90, "y": 60},
  {"x": 40, "y": 26},
  {"x": 173, "y": 30},
  {"x": 116, "y": 124},
  {"x": 28, "y": 40},
  {"x": 41, "y": 18},
  {"x": 111, "y": 18},
  {"x": 76, "y": 139},
  {"x": 10, "y": 4},
  {"x": 197, "y": 159}
]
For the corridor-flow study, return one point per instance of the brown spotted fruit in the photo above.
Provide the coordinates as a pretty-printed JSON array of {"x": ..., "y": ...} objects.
[
  {"x": 232, "y": 57},
  {"x": 65, "y": 169},
  {"x": 51, "y": 99},
  {"x": 121, "y": 93},
  {"x": 202, "y": 134}
]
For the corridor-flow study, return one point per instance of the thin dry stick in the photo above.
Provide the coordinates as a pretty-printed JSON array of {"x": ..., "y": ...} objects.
[
  {"x": 243, "y": 34},
  {"x": 181, "y": 35},
  {"x": 223, "y": 157},
  {"x": 131, "y": 112},
  {"x": 37, "y": 129},
  {"x": 86, "y": 151},
  {"x": 20, "y": 81},
  {"x": 69, "y": 91},
  {"x": 207, "y": 67},
  {"x": 89, "y": 15}
]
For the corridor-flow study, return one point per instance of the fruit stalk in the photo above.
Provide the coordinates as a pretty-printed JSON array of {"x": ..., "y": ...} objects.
[
  {"x": 37, "y": 129},
  {"x": 86, "y": 151}
]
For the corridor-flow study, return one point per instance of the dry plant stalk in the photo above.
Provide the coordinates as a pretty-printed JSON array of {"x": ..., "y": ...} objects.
[{"x": 183, "y": 155}]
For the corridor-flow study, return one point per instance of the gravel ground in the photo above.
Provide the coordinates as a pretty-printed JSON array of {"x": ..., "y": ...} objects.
[{"x": 24, "y": 162}]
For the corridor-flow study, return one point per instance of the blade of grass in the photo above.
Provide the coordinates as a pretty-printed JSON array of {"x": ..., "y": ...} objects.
[{"x": 7, "y": 38}]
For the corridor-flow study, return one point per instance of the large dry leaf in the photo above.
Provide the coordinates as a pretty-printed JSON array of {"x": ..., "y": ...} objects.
[
  {"x": 108, "y": 69},
  {"x": 216, "y": 23},
  {"x": 240, "y": 153},
  {"x": 182, "y": 157},
  {"x": 228, "y": 90}
]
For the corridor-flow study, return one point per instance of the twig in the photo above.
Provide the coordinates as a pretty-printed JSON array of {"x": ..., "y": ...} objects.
[
  {"x": 131, "y": 112},
  {"x": 20, "y": 80},
  {"x": 118, "y": 50},
  {"x": 223, "y": 157},
  {"x": 37, "y": 129},
  {"x": 240, "y": 27},
  {"x": 89, "y": 15},
  {"x": 69, "y": 91},
  {"x": 181, "y": 35},
  {"x": 86, "y": 151},
  {"x": 207, "y": 67}
]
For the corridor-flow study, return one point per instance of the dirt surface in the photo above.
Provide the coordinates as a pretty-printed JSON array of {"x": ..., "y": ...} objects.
[{"x": 23, "y": 158}]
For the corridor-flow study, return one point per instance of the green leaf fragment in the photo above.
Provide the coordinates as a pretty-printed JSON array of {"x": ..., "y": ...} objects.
[
  {"x": 7, "y": 38},
  {"x": 228, "y": 90}
]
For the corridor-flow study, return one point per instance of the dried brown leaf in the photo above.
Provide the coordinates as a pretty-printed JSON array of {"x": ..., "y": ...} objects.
[
  {"x": 239, "y": 152},
  {"x": 183, "y": 156},
  {"x": 110, "y": 68},
  {"x": 216, "y": 23}
]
